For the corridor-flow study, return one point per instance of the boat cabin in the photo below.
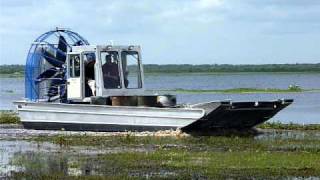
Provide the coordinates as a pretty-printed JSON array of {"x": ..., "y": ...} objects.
[{"x": 104, "y": 71}]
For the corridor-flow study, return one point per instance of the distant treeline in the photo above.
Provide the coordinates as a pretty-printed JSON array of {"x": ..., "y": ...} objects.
[
  {"x": 204, "y": 68},
  {"x": 214, "y": 68},
  {"x": 11, "y": 69}
]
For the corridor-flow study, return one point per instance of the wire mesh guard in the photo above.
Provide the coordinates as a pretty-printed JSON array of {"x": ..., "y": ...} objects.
[{"x": 45, "y": 73}]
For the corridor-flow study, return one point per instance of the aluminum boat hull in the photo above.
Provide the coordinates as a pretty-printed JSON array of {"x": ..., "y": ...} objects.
[
  {"x": 208, "y": 116},
  {"x": 104, "y": 118}
]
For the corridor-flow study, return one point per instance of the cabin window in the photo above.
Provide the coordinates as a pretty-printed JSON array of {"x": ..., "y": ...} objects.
[
  {"x": 74, "y": 64},
  {"x": 111, "y": 70},
  {"x": 131, "y": 69},
  {"x": 89, "y": 59}
]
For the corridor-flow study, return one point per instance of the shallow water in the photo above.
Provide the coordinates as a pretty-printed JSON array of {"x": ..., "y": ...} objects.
[
  {"x": 11, "y": 89},
  {"x": 20, "y": 153}
]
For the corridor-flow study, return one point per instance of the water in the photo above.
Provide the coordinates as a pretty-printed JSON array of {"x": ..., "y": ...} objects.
[
  {"x": 229, "y": 81},
  {"x": 304, "y": 110},
  {"x": 11, "y": 89}
]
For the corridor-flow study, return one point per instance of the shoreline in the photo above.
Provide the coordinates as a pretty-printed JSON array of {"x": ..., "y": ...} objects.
[
  {"x": 21, "y": 75},
  {"x": 236, "y": 91},
  {"x": 11, "y": 117}
]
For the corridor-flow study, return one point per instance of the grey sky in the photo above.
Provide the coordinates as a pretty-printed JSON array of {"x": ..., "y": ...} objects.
[{"x": 173, "y": 31}]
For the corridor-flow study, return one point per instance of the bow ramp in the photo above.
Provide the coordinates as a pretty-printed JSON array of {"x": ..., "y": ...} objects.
[{"x": 235, "y": 115}]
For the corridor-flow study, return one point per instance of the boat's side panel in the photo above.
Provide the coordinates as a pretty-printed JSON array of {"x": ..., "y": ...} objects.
[
  {"x": 115, "y": 110},
  {"x": 104, "y": 118}
]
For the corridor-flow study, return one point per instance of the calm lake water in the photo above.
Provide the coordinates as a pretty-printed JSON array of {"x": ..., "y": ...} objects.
[{"x": 305, "y": 109}]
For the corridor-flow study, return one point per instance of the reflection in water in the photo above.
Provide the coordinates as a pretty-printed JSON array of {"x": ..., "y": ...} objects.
[
  {"x": 36, "y": 164},
  {"x": 10, "y": 148}
]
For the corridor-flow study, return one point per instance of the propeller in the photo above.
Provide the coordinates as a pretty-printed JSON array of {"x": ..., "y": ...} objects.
[
  {"x": 46, "y": 64},
  {"x": 51, "y": 59},
  {"x": 56, "y": 61},
  {"x": 47, "y": 74},
  {"x": 57, "y": 72},
  {"x": 56, "y": 83},
  {"x": 62, "y": 45}
]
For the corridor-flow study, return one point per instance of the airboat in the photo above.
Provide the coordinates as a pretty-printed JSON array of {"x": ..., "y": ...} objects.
[{"x": 72, "y": 85}]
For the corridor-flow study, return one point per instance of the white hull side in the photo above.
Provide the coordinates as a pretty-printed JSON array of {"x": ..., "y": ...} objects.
[{"x": 107, "y": 115}]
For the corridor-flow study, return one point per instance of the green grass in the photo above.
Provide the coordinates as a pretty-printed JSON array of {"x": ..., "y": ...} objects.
[
  {"x": 234, "y": 90},
  {"x": 12, "y": 75},
  {"x": 219, "y": 164},
  {"x": 8, "y": 91},
  {"x": 309, "y": 142},
  {"x": 280, "y": 154},
  {"x": 9, "y": 117},
  {"x": 241, "y": 90},
  {"x": 290, "y": 126},
  {"x": 182, "y": 164}
]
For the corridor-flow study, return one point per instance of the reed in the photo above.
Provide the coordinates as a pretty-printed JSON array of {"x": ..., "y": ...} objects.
[
  {"x": 9, "y": 117},
  {"x": 240, "y": 90}
]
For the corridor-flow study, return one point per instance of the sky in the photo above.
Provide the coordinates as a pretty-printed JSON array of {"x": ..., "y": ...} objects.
[{"x": 173, "y": 31}]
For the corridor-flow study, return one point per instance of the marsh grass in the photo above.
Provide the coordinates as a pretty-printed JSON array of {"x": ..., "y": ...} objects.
[
  {"x": 275, "y": 154},
  {"x": 12, "y": 75},
  {"x": 10, "y": 91},
  {"x": 309, "y": 142},
  {"x": 215, "y": 164},
  {"x": 9, "y": 117},
  {"x": 290, "y": 126},
  {"x": 283, "y": 151},
  {"x": 241, "y": 90}
]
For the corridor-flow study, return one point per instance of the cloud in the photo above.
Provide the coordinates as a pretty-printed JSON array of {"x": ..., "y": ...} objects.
[
  {"x": 209, "y": 3},
  {"x": 166, "y": 28}
]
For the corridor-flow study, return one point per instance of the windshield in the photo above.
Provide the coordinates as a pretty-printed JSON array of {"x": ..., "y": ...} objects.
[
  {"x": 110, "y": 70},
  {"x": 131, "y": 69}
]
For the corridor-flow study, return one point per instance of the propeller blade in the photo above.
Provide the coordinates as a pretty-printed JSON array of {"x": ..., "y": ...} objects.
[
  {"x": 62, "y": 46},
  {"x": 51, "y": 59},
  {"x": 78, "y": 43},
  {"x": 56, "y": 83},
  {"x": 54, "y": 87},
  {"x": 48, "y": 73}
]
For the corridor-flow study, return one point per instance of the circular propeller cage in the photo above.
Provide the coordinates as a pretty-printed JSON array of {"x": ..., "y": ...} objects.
[{"x": 45, "y": 72}]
